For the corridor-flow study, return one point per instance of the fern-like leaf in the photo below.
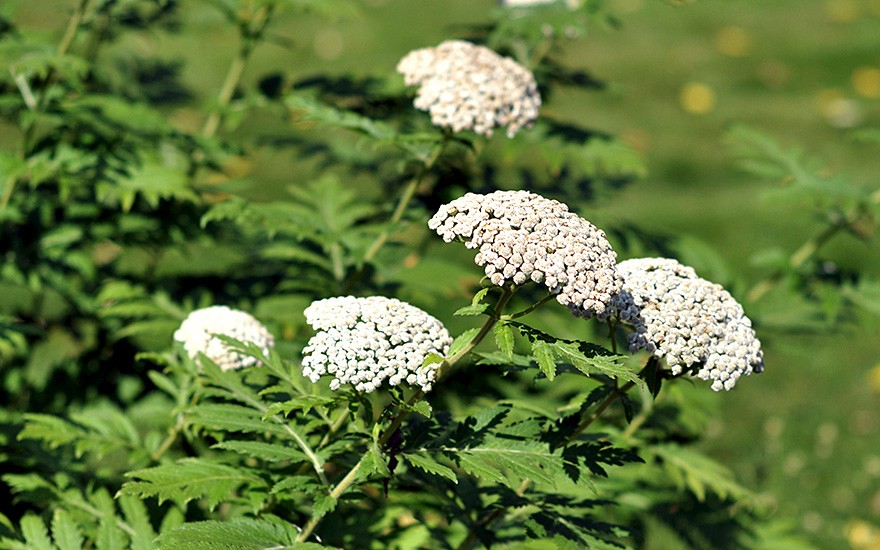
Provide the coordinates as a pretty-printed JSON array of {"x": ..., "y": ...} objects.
[
  {"x": 241, "y": 534},
  {"x": 188, "y": 479}
]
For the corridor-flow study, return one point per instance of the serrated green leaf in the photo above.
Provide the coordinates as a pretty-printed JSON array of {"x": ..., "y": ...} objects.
[
  {"x": 137, "y": 517},
  {"x": 188, "y": 479},
  {"x": 271, "y": 452},
  {"x": 50, "y": 429},
  {"x": 511, "y": 464},
  {"x": 546, "y": 359},
  {"x": 428, "y": 464},
  {"x": 24, "y": 483},
  {"x": 690, "y": 469},
  {"x": 323, "y": 505},
  {"x": 232, "y": 418},
  {"x": 313, "y": 109},
  {"x": 236, "y": 534},
  {"x": 110, "y": 535},
  {"x": 65, "y": 531},
  {"x": 35, "y": 533},
  {"x": 504, "y": 338},
  {"x": 461, "y": 341},
  {"x": 423, "y": 408},
  {"x": 800, "y": 174},
  {"x": 297, "y": 484},
  {"x": 163, "y": 383},
  {"x": 303, "y": 403},
  {"x": 477, "y": 305},
  {"x": 374, "y": 463}
]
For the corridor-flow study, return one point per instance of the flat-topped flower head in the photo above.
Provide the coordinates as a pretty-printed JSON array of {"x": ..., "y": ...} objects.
[
  {"x": 522, "y": 237},
  {"x": 370, "y": 341},
  {"x": 469, "y": 87},
  {"x": 687, "y": 320},
  {"x": 198, "y": 329}
]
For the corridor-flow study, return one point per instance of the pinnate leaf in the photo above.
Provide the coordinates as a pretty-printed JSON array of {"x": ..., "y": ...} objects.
[
  {"x": 243, "y": 534},
  {"x": 188, "y": 479}
]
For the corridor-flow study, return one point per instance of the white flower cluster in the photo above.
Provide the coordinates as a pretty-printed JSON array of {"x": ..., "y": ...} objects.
[
  {"x": 197, "y": 330},
  {"x": 367, "y": 341},
  {"x": 687, "y": 320},
  {"x": 525, "y": 237},
  {"x": 464, "y": 86}
]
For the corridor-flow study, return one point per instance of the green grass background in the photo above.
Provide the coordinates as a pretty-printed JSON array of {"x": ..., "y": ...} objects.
[{"x": 806, "y": 433}]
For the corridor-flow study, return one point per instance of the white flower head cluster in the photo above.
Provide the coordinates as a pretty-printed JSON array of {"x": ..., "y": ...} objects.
[
  {"x": 198, "y": 329},
  {"x": 468, "y": 87},
  {"x": 368, "y": 341},
  {"x": 521, "y": 237},
  {"x": 687, "y": 320}
]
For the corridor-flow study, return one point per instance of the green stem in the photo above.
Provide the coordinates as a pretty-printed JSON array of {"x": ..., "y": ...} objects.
[
  {"x": 402, "y": 204},
  {"x": 448, "y": 363},
  {"x": 250, "y": 32},
  {"x": 337, "y": 261},
  {"x": 801, "y": 255},
  {"x": 337, "y": 492},
  {"x": 72, "y": 27},
  {"x": 612, "y": 332},
  {"x": 185, "y": 400},
  {"x": 408, "y": 193},
  {"x": 529, "y": 309},
  {"x": 597, "y": 412}
]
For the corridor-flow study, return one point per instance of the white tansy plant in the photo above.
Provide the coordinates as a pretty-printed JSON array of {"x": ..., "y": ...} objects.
[
  {"x": 198, "y": 334},
  {"x": 468, "y": 87},
  {"x": 690, "y": 322},
  {"x": 371, "y": 342},
  {"x": 521, "y": 237}
]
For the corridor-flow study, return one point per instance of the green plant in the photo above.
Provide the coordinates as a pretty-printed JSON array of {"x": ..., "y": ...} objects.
[{"x": 530, "y": 427}]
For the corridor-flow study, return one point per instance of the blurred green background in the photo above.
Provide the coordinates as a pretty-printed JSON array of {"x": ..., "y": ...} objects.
[{"x": 806, "y": 433}]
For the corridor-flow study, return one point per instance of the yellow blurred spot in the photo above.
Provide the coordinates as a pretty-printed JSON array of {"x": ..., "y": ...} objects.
[
  {"x": 697, "y": 98},
  {"x": 861, "y": 535},
  {"x": 837, "y": 109},
  {"x": 842, "y": 11},
  {"x": 411, "y": 261},
  {"x": 328, "y": 44},
  {"x": 733, "y": 41},
  {"x": 874, "y": 378},
  {"x": 637, "y": 138},
  {"x": 866, "y": 82},
  {"x": 874, "y": 6}
]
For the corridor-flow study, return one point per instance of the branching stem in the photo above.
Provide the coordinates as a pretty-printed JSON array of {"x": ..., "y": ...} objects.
[{"x": 807, "y": 251}]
